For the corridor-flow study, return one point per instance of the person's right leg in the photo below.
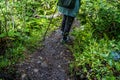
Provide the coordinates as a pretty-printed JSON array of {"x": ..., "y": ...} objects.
[{"x": 68, "y": 24}]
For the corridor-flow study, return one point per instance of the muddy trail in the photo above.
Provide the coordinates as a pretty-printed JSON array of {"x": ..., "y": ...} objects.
[{"x": 49, "y": 63}]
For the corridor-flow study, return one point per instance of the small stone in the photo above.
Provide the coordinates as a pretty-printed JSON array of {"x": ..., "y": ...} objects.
[
  {"x": 38, "y": 62},
  {"x": 27, "y": 68},
  {"x": 82, "y": 76},
  {"x": 67, "y": 51},
  {"x": 44, "y": 64},
  {"x": 32, "y": 73},
  {"x": 40, "y": 57},
  {"x": 35, "y": 70},
  {"x": 61, "y": 53},
  {"x": 59, "y": 66},
  {"x": 23, "y": 76},
  {"x": 68, "y": 79},
  {"x": 68, "y": 62}
]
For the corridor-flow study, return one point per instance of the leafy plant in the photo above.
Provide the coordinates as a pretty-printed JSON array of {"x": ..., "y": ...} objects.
[
  {"x": 96, "y": 38},
  {"x": 92, "y": 57},
  {"x": 103, "y": 16},
  {"x": 22, "y": 28}
]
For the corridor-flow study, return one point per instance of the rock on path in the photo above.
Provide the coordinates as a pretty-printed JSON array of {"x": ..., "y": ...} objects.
[{"x": 50, "y": 63}]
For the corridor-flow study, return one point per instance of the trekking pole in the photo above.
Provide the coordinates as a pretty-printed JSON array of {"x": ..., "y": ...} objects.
[{"x": 49, "y": 25}]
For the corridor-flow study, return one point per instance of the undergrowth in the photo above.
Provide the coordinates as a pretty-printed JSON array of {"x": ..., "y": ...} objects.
[
  {"x": 22, "y": 27},
  {"x": 96, "y": 39}
]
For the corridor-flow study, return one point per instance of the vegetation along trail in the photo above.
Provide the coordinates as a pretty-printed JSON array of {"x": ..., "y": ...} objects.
[{"x": 94, "y": 54}]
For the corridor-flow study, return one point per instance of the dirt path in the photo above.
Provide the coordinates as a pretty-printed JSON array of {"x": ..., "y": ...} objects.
[{"x": 50, "y": 63}]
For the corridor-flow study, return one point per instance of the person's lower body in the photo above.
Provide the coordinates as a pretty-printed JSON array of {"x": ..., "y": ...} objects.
[{"x": 66, "y": 26}]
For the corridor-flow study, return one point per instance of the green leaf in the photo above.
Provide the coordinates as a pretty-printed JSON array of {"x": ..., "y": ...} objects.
[
  {"x": 2, "y": 35},
  {"x": 110, "y": 62}
]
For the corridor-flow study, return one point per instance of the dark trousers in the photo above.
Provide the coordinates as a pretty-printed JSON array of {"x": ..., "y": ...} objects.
[{"x": 66, "y": 25}]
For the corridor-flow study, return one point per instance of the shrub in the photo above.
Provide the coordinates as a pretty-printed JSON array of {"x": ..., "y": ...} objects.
[
  {"x": 103, "y": 16},
  {"x": 91, "y": 57}
]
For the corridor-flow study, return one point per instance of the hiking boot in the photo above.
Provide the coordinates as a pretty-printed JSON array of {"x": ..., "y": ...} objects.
[
  {"x": 68, "y": 40},
  {"x": 62, "y": 41}
]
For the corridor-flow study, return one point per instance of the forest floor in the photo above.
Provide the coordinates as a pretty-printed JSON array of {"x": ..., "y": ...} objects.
[{"x": 49, "y": 63}]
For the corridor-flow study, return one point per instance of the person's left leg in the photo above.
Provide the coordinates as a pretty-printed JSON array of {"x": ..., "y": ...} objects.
[
  {"x": 68, "y": 24},
  {"x": 63, "y": 23}
]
